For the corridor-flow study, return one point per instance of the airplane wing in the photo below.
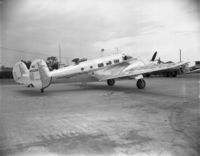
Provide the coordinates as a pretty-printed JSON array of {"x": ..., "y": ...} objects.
[
  {"x": 119, "y": 72},
  {"x": 194, "y": 71}
]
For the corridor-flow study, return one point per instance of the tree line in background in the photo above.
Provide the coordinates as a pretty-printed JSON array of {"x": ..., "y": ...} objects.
[{"x": 52, "y": 63}]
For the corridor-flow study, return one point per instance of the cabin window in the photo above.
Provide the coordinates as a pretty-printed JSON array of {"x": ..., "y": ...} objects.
[
  {"x": 91, "y": 67},
  {"x": 116, "y": 61},
  {"x": 82, "y": 69},
  {"x": 108, "y": 63},
  {"x": 100, "y": 65}
]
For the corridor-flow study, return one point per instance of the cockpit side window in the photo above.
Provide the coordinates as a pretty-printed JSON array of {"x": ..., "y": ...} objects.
[{"x": 126, "y": 57}]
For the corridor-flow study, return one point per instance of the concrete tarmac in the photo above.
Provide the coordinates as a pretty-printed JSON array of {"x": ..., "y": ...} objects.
[{"x": 95, "y": 119}]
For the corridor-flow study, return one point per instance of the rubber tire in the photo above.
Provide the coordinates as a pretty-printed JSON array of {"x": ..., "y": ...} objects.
[
  {"x": 141, "y": 84},
  {"x": 42, "y": 90},
  {"x": 111, "y": 82}
]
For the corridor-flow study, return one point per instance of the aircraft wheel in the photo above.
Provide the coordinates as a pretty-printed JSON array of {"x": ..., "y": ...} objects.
[
  {"x": 111, "y": 82},
  {"x": 141, "y": 84},
  {"x": 42, "y": 90}
]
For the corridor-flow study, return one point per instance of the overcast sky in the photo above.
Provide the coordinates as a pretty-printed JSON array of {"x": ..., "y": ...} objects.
[{"x": 34, "y": 28}]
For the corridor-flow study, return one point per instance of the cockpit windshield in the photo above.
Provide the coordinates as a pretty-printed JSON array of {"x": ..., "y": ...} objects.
[{"x": 127, "y": 57}]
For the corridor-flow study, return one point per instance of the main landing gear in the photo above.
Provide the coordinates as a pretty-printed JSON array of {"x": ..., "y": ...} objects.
[
  {"x": 111, "y": 82},
  {"x": 141, "y": 83}
]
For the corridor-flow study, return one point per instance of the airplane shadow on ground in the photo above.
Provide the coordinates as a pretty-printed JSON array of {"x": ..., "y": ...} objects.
[
  {"x": 77, "y": 88},
  {"x": 54, "y": 90}
]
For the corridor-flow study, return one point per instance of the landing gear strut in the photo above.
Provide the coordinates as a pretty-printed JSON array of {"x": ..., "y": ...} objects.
[
  {"x": 111, "y": 82},
  {"x": 141, "y": 83}
]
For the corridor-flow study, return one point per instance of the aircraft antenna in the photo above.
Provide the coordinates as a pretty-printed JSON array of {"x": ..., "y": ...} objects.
[
  {"x": 59, "y": 54},
  {"x": 117, "y": 50},
  {"x": 180, "y": 55},
  {"x": 102, "y": 50}
]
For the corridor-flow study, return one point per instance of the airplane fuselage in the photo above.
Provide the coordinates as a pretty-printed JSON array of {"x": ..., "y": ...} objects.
[
  {"x": 89, "y": 67},
  {"x": 89, "y": 71}
]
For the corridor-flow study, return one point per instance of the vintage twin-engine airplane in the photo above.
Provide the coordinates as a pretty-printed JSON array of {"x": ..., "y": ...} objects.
[{"x": 109, "y": 68}]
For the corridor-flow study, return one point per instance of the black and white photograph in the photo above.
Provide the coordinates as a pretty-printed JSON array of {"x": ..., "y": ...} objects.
[{"x": 99, "y": 78}]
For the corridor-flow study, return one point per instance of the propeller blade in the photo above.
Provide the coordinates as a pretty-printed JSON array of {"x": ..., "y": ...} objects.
[{"x": 154, "y": 56}]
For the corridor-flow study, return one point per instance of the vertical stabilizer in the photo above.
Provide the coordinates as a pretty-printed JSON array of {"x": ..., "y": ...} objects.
[
  {"x": 39, "y": 74},
  {"x": 21, "y": 73}
]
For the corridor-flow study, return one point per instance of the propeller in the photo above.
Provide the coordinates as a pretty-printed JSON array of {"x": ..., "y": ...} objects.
[
  {"x": 154, "y": 56},
  {"x": 159, "y": 61}
]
